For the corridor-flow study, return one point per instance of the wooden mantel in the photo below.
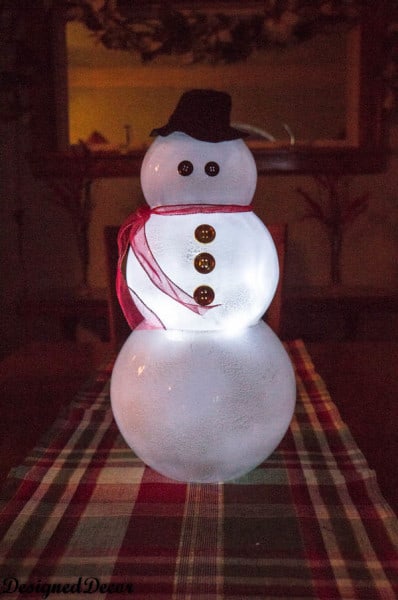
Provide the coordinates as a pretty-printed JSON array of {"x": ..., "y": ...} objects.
[
  {"x": 93, "y": 165},
  {"x": 270, "y": 160}
]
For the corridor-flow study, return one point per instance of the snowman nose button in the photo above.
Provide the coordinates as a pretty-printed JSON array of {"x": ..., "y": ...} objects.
[
  {"x": 185, "y": 168},
  {"x": 212, "y": 169},
  {"x": 205, "y": 233},
  {"x": 204, "y": 262},
  {"x": 204, "y": 295}
]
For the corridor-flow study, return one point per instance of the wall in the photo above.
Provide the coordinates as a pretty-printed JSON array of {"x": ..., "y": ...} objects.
[{"x": 37, "y": 243}]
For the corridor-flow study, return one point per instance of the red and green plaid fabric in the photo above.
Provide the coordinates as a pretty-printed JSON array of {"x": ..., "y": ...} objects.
[{"x": 84, "y": 517}]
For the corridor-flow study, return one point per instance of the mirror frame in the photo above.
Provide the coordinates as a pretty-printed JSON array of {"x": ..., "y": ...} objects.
[
  {"x": 366, "y": 117},
  {"x": 367, "y": 113}
]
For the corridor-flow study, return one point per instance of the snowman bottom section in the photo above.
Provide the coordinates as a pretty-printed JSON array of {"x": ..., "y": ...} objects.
[{"x": 203, "y": 406}]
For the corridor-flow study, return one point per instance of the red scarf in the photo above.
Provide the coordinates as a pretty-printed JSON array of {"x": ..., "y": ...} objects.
[{"x": 132, "y": 234}]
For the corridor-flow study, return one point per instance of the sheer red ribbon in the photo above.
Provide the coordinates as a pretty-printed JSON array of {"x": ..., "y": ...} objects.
[{"x": 132, "y": 234}]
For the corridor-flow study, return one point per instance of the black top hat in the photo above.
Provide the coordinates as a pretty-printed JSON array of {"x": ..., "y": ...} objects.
[{"x": 204, "y": 115}]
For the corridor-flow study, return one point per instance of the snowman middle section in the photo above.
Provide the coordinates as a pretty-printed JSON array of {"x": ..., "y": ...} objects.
[{"x": 225, "y": 262}]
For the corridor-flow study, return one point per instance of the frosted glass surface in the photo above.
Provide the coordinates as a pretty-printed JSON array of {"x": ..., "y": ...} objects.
[
  {"x": 244, "y": 278},
  {"x": 203, "y": 406},
  {"x": 163, "y": 185}
]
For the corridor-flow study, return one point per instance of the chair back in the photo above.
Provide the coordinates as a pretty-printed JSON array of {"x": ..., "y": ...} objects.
[
  {"x": 273, "y": 316},
  {"x": 118, "y": 326}
]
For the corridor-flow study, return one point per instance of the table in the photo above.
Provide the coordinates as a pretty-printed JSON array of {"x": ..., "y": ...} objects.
[
  {"x": 82, "y": 514},
  {"x": 361, "y": 377}
]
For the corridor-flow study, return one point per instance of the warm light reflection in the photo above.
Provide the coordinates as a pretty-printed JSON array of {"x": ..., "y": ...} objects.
[{"x": 108, "y": 88}]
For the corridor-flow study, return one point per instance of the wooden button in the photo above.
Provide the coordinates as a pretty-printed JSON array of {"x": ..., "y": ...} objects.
[
  {"x": 204, "y": 295},
  {"x": 204, "y": 262},
  {"x": 205, "y": 233}
]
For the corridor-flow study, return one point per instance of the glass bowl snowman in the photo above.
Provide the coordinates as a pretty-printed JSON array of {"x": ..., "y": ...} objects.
[{"x": 202, "y": 390}]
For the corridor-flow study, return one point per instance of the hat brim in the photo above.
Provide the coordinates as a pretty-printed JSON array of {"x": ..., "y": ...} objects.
[{"x": 224, "y": 135}]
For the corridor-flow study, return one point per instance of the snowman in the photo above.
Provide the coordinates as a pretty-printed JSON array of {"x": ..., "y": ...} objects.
[{"x": 202, "y": 389}]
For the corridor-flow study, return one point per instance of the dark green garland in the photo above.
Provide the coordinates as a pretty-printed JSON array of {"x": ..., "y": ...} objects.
[{"x": 199, "y": 35}]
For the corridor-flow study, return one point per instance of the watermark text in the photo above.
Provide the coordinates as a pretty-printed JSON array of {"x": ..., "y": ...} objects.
[{"x": 82, "y": 585}]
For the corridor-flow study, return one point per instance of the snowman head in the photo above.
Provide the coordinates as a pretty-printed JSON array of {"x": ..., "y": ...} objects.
[{"x": 198, "y": 158}]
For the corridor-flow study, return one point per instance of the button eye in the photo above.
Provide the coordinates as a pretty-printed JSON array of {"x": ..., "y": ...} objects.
[
  {"x": 185, "y": 168},
  {"x": 212, "y": 169}
]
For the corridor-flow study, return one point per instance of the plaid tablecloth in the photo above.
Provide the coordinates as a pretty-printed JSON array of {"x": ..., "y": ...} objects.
[{"x": 82, "y": 517}]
